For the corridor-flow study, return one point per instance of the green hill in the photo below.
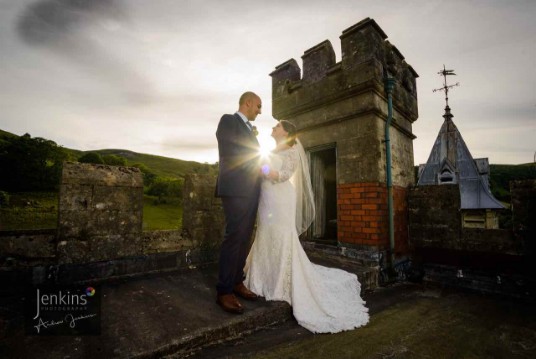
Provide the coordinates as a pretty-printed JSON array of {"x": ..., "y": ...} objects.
[
  {"x": 6, "y": 137},
  {"x": 159, "y": 165},
  {"x": 501, "y": 175}
]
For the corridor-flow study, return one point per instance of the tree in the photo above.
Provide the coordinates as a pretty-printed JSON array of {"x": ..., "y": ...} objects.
[
  {"x": 114, "y": 160},
  {"x": 31, "y": 164},
  {"x": 166, "y": 187},
  {"x": 148, "y": 176},
  {"x": 91, "y": 157}
]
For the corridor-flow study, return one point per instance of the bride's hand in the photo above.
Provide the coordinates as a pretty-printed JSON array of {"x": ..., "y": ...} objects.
[
  {"x": 269, "y": 174},
  {"x": 272, "y": 175}
]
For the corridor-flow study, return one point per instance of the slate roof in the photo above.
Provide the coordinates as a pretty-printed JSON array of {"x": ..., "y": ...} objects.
[{"x": 450, "y": 162}]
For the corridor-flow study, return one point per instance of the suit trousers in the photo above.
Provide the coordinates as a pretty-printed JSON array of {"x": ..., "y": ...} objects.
[{"x": 240, "y": 214}]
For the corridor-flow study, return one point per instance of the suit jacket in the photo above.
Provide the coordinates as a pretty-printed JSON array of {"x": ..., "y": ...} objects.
[{"x": 239, "y": 158}]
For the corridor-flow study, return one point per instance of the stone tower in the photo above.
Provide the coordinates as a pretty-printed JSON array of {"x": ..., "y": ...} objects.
[{"x": 340, "y": 110}]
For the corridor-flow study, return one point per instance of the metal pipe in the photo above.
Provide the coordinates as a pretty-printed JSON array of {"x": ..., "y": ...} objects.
[{"x": 389, "y": 86}]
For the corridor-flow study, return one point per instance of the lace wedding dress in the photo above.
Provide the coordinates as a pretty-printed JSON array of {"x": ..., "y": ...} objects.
[{"x": 323, "y": 300}]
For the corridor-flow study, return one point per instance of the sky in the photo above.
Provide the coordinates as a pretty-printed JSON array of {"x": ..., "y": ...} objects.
[{"x": 156, "y": 76}]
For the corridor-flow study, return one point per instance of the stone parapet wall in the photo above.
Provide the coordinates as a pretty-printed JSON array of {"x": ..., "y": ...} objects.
[
  {"x": 100, "y": 213},
  {"x": 28, "y": 246},
  {"x": 35, "y": 257},
  {"x": 524, "y": 213},
  {"x": 435, "y": 221},
  {"x": 32, "y": 246},
  {"x": 503, "y": 281},
  {"x": 434, "y": 215},
  {"x": 86, "y": 248},
  {"x": 203, "y": 220},
  {"x": 163, "y": 241}
]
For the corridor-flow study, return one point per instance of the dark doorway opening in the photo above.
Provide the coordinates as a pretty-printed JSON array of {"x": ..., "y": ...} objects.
[{"x": 324, "y": 182}]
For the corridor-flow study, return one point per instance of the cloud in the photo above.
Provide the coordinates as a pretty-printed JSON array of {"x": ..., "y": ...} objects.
[
  {"x": 180, "y": 143},
  {"x": 156, "y": 76},
  {"x": 50, "y": 22},
  {"x": 91, "y": 35}
]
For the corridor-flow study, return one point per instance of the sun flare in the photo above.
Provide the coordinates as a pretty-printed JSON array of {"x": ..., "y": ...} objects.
[{"x": 267, "y": 144}]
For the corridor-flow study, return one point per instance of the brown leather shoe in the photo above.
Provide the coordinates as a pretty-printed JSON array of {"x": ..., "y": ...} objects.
[
  {"x": 245, "y": 293},
  {"x": 230, "y": 303}
]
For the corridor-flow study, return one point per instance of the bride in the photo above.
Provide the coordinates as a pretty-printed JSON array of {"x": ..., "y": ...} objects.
[{"x": 323, "y": 300}]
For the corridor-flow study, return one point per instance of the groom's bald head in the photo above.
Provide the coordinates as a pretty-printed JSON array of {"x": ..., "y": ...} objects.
[
  {"x": 250, "y": 105},
  {"x": 247, "y": 96}
]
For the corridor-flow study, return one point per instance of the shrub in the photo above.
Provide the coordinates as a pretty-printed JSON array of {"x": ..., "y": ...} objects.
[
  {"x": 114, "y": 160},
  {"x": 91, "y": 157},
  {"x": 165, "y": 187},
  {"x": 4, "y": 199}
]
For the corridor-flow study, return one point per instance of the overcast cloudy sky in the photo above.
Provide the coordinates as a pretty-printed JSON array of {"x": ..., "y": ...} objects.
[{"x": 155, "y": 76}]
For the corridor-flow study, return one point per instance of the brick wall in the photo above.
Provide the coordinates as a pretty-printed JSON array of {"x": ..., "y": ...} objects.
[
  {"x": 363, "y": 216},
  {"x": 400, "y": 204}
]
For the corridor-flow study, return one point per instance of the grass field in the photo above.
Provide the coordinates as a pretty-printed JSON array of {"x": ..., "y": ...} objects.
[
  {"x": 39, "y": 210},
  {"x": 30, "y": 210},
  {"x": 162, "y": 216}
]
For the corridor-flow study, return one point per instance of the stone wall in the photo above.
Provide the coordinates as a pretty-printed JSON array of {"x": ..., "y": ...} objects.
[
  {"x": 434, "y": 216},
  {"x": 99, "y": 233},
  {"x": 27, "y": 247},
  {"x": 435, "y": 222},
  {"x": 344, "y": 104},
  {"x": 487, "y": 260},
  {"x": 524, "y": 213},
  {"x": 203, "y": 220},
  {"x": 100, "y": 212}
]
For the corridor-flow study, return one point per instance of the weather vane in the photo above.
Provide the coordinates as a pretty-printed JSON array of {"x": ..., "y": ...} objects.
[{"x": 446, "y": 87}]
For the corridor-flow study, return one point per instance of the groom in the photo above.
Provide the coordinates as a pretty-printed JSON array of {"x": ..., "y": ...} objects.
[{"x": 239, "y": 187}]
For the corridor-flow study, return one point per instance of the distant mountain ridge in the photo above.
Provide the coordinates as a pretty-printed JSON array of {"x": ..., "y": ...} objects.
[
  {"x": 6, "y": 136},
  {"x": 159, "y": 165},
  {"x": 500, "y": 175}
]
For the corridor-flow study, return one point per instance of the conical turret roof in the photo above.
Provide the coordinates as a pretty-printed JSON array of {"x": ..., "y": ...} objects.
[{"x": 450, "y": 162}]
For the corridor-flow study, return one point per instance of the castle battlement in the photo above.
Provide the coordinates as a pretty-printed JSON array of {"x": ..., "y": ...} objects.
[
  {"x": 367, "y": 57},
  {"x": 340, "y": 110},
  {"x": 317, "y": 61}
]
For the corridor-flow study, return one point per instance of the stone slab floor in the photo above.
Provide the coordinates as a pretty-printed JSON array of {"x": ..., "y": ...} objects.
[{"x": 407, "y": 321}]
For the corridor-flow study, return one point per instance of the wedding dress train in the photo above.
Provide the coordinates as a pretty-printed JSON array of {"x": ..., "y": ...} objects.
[{"x": 323, "y": 300}]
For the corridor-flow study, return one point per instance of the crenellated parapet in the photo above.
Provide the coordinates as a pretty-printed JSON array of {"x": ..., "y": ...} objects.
[
  {"x": 285, "y": 74},
  {"x": 317, "y": 61},
  {"x": 367, "y": 57}
]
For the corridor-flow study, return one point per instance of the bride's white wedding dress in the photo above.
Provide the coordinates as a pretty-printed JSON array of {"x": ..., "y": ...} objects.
[{"x": 323, "y": 300}]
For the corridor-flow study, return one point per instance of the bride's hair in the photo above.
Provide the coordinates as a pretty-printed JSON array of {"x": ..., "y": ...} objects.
[{"x": 291, "y": 130}]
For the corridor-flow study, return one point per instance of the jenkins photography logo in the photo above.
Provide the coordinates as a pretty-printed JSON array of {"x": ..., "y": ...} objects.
[{"x": 71, "y": 310}]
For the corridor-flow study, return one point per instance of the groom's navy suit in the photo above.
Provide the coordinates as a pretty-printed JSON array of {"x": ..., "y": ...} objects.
[{"x": 239, "y": 187}]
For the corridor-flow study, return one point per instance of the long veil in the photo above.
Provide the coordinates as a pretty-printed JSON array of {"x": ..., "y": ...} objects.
[{"x": 301, "y": 180}]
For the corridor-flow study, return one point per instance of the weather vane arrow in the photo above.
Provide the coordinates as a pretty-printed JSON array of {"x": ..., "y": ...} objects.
[{"x": 446, "y": 87}]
